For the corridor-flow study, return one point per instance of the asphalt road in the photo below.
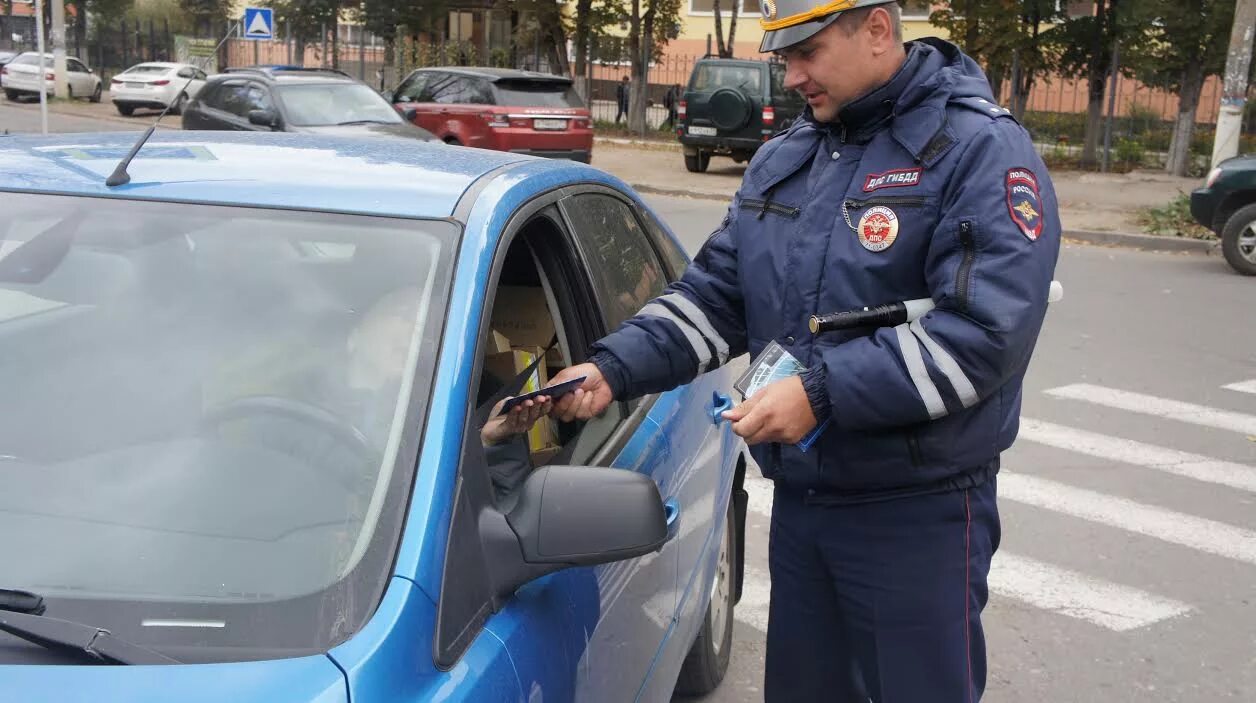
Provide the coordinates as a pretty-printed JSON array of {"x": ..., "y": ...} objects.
[{"x": 1127, "y": 571}]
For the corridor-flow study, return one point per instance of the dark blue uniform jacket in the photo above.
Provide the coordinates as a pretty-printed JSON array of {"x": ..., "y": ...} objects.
[{"x": 924, "y": 188}]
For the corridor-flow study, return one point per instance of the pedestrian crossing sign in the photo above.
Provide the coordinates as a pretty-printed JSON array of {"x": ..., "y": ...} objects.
[{"x": 259, "y": 23}]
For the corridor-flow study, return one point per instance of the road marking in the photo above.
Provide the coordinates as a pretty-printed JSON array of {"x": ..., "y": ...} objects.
[
  {"x": 1076, "y": 595},
  {"x": 1099, "y": 602},
  {"x": 1243, "y": 387},
  {"x": 1194, "y": 466},
  {"x": 1159, "y": 407},
  {"x": 1178, "y": 528}
]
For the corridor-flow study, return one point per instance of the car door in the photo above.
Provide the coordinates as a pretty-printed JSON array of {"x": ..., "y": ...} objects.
[
  {"x": 413, "y": 93},
  {"x": 81, "y": 81},
  {"x": 229, "y": 106},
  {"x": 583, "y": 633}
]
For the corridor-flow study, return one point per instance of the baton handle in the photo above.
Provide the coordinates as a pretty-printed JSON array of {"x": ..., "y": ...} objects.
[{"x": 890, "y": 314}]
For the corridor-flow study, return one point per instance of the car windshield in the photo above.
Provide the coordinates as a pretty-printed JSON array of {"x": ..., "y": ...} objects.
[
  {"x": 529, "y": 93},
  {"x": 335, "y": 103},
  {"x": 204, "y": 414},
  {"x": 709, "y": 77},
  {"x": 146, "y": 70}
]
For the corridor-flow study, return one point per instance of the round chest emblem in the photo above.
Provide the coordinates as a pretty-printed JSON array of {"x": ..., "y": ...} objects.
[
  {"x": 768, "y": 8},
  {"x": 878, "y": 228}
]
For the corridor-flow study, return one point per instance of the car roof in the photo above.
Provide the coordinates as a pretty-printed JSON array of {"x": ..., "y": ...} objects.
[
  {"x": 287, "y": 74},
  {"x": 158, "y": 64},
  {"x": 738, "y": 62},
  {"x": 387, "y": 176},
  {"x": 496, "y": 74}
]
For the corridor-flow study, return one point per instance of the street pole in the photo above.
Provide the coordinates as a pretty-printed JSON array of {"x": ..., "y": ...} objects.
[
  {"x": 43, "y": 88},
  {"x": 1234, "y": 98},
  {"x": 61, "y": 81}
]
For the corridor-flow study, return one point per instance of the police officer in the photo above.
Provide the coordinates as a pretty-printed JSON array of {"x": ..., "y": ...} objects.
[{"x": 902, "y": 180}]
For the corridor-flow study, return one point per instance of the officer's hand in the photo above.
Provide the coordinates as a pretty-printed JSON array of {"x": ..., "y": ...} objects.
[
  {"x": 520, "y": 419},
  {"x": 592, "y": 398},
  {"x": 780, "y": 412}
]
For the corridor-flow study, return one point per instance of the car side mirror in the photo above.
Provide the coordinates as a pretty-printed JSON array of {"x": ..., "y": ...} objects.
[
  {"x": 264, "y": 118},
  {"x": 410, "y": 113},
  {"x": 575, "y": 516},
  {"x": 396, "y": 99}
]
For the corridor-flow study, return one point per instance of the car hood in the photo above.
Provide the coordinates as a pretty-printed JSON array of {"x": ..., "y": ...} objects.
[
  {"x": 400, "y": 129},
  {"x": 313, "y": 679}
]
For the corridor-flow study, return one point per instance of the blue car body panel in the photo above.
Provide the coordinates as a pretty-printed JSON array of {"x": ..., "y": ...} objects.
[{"x": 561, "y": 637}]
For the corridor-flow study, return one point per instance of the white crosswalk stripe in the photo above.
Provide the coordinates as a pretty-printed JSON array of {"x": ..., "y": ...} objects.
[
  {"x": 1103, "y": 603},
  {"x": 1243, "y": 386},
  {"x": 1194, "y": 466},
  {"x": 1159, "y": 407}
]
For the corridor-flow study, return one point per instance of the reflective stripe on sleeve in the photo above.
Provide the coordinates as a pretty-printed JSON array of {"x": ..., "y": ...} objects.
[
  {"x": 949, "y": 367},
  {"x": 910, "y": 349},
  {"x": 696, "y": 341},
  {"x": 700, "y": 321}
]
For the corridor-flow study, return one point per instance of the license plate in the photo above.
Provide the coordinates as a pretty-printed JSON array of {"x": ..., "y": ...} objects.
[
  {"x": 135, "y": 85},
  {"x": 702, "y": 131},
  {"x": 549, "y": 124}
]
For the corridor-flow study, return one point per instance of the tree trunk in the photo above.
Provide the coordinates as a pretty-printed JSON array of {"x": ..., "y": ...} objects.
[
  {"x": 335, "y": 42},
  {"x": 719, "y": 29},
  {"x": 732, "y": 29},
  {"x": 643, "y": 29},
  {"x": 583, "y": 7},
  {"x": 1179, "y": 161},
  {"x": 559, "y": 66},
  {"x": 1095, "y": 82}
]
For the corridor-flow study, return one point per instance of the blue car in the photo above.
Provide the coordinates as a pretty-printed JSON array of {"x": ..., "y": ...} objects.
[{"x": 244, "y": 444}]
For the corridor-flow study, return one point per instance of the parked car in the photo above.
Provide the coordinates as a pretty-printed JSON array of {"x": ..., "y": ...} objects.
[
  {"x": 292, "y": 99},
  {"x": 156, "y": 85},
  {"x": 7, "y": 56},
  {"x": 20, "y": 77},
  {"x": 502, "y": 109},
  {"x": 1227, "y": 205},
  {"x": 731, "y": 107},
  {"x": 243, "y": 401}
]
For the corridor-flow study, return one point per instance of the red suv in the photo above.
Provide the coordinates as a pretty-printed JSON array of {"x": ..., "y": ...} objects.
[{"x": 502, "y": 109}]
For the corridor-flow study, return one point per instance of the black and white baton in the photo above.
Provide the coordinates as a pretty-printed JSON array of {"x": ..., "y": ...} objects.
[{"x": 890, "y": 314}]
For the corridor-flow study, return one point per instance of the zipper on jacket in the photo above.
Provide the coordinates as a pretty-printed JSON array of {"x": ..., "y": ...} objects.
[
  {"x": 913, "y": 448},
  {"x": 964, "y": 277},
  {"x": 907, "y": 200},
  {"x": 763, "y": 206}
]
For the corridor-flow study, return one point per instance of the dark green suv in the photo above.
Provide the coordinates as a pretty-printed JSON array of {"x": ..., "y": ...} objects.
[
  {"x": 731, "y": 107},
  {"x": 1227, "y": 205}
]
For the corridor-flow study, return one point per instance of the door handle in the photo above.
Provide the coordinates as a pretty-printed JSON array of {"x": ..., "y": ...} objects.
[
  {"x": 719, "y": 404},
  {"x": 671, "y": 511}
]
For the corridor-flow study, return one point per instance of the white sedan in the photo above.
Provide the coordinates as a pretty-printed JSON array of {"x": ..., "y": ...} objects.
[
  {"x": 20, "y": 77},
  {"x": 156, "y": 85}
]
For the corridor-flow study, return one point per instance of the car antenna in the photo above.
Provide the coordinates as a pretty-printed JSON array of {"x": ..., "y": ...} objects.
[{"x": 119, "y": 176}]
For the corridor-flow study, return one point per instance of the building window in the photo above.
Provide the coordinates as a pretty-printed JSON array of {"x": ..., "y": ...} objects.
[
  {"x": 461, "y": 25},
  {"x": 706, "y": 7},
  {"x": 916, "y": 8}
]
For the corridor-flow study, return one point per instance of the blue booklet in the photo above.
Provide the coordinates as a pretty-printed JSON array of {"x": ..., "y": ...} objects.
[{"x": 774, "y": 364}]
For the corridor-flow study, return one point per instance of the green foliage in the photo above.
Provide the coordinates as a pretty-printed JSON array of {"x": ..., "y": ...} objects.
[
  {"x": 1174, "y": 220},
  {"x": 1176, "y": 35},
  {"x": 1130, "y": 151},
  {"x": 305, "y": 19}
]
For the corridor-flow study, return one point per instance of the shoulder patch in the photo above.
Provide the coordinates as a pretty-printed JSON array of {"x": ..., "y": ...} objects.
[
  {"x": 983, "y": 106},
  {"x": 1024, "y": 202}
]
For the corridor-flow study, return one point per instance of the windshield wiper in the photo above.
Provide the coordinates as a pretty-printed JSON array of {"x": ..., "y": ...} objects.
[
  {"x": 342, "y": 124},
  {"x": 92, "y": 643}
]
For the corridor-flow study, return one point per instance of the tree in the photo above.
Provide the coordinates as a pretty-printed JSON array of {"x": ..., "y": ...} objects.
[
  {"x": 1084, "y": 46},
  {"x": 1006, "y": 36},
  {"x": 1184, "y": 43},
  {"x": 725, "y": 50},
  {"x": 648, "y": 24},
  {"x": 307, "y": 20},
  {"x": 207, "y": 15}
]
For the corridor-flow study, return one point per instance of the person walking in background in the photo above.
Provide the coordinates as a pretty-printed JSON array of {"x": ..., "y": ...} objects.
[{"x": 621, "y": 99}]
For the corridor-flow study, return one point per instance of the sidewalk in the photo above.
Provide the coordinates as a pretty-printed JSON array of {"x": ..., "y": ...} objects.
[{"x": 1097, "y": 207}]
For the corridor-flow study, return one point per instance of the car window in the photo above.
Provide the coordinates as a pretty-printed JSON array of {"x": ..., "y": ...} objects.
[
  {"x": 446, "y": 88},
  {"x": 30, "y": 60},
  {"x": 476, "y": 91},
  {"x": 256, "y": 97},
  {"x": 225, "y": 95},
  {"x": 532, "y": 93},
  {"x": 75, "y": 65},
  {"x": 187, "y": 73},
  {"x": 239, "y": 97},
  {"x": 200, "y": 75},
  {"x": 623, "y": 265},
  {"x": 333, "y": 104},
  {"x": 709, "y": 77},
  {"x": 780, "y": 94},
  {"x": 174, "y": 374},
  {"x": 146, "y": 70},
  {"x": 412, "y": 88}
]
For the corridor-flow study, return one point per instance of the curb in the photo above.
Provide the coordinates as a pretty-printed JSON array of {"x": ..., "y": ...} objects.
[
  {"x": 640, "y": 143},
  {"x": 1145, "y": 242}
]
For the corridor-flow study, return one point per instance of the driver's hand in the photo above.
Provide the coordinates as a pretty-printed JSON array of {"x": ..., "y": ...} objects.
[
  {"x": 592, "y": 398},
  {"x": 519, "y": 420}
]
